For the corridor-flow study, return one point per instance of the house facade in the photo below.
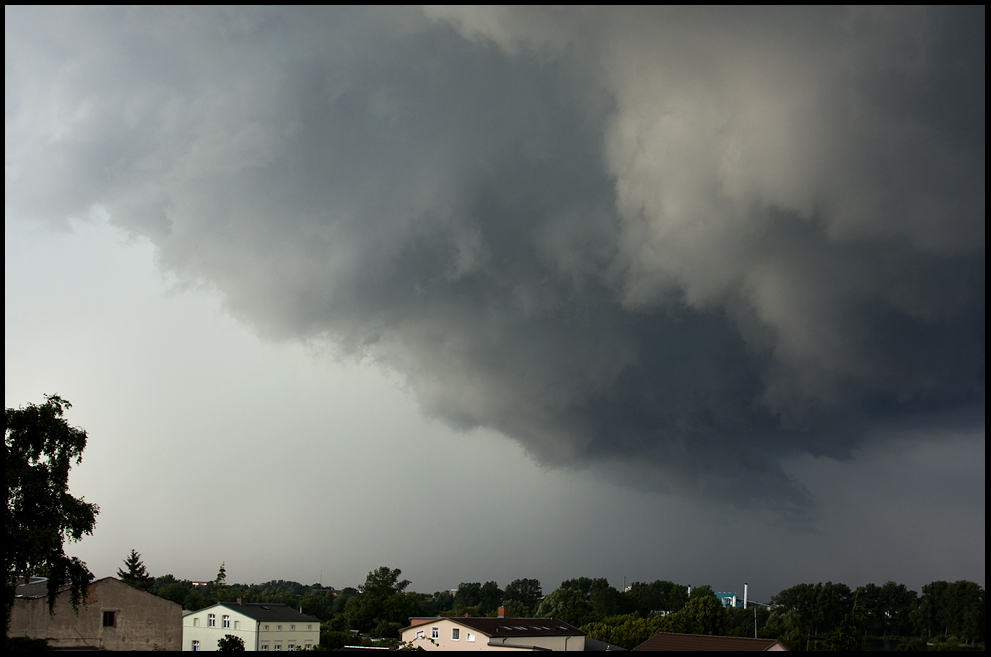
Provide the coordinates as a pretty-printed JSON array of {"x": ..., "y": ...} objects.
[
  {"x": 262, "y": 626},
  {"x": 449, "y": 633},
  {"x": 115, "y": 616}
]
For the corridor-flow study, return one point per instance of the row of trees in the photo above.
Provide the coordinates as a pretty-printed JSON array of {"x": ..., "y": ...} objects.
[
  {"x": 702, "y": 613},
  {"x": 805, "y": 616},
  {"x": 819, "y": 616},
  {"x": 947, "y": 612}
]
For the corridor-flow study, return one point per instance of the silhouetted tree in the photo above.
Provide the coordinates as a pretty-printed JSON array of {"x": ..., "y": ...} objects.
[{"x": 39, "y": 448}]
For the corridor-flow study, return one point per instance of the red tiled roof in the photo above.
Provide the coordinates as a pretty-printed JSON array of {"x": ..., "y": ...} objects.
[{"x": 672, "y": 641}]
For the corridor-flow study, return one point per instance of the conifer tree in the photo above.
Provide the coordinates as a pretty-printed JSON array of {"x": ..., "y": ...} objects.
[
  {"x": 218, "y": 587},
  {"x": 136, "y": 574}
]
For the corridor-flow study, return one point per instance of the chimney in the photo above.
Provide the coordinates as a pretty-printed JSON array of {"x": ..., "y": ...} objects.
[
  {"x": 502, "y": 613},
  {"x": 240, "y": 601}
]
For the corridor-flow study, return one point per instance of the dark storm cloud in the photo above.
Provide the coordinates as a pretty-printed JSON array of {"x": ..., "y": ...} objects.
[{"x": 690, "y": 244}]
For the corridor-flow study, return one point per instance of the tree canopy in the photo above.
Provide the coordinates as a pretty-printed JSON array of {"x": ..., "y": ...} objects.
[
  {"x": 230, "y": 643},
  {"x": 525, "y": 591},
  {"x": 39, "y": 449},
  {"x": 660, "y": 596},
  {"x": 383, "y": 582}
]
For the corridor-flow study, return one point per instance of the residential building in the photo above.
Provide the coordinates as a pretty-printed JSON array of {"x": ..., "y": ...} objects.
[
  {"x": 115, "y": 616},
  {"x": 262, "y": 626},
  {"x": 448, "y": 633}
]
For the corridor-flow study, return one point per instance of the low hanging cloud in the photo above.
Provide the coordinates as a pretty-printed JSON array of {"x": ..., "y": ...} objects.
[{"x": 685, "y": 244}]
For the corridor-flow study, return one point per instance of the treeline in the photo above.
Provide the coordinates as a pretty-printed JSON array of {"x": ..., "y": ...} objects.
[
  {"x": 804, "y": 617},
  {"x": 821, "y": 617},
  {"x": 812, "y": 616}
]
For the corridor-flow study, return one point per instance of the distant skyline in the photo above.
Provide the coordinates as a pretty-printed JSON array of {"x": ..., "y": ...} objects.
[{"x": 487, "y": 294}]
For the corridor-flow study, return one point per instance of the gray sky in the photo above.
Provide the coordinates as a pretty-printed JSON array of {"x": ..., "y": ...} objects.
[{"x": 690, "y": 295}]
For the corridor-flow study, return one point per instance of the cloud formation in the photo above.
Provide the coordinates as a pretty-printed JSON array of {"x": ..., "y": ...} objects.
[{"x": 685, "y": 244}]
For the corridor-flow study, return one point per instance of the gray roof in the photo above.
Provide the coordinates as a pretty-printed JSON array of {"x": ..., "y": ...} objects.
[
  {"x": 269, "y": 612},
  {"x": 681, "y": 642},
  {"x": 37, "y": 587},
  {"x": 514, "y": 627}
]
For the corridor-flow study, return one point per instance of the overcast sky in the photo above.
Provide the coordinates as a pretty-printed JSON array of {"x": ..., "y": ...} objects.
[{"x": 485, "y": 294}]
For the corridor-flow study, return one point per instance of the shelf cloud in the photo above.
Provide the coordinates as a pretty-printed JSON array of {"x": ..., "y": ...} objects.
[{"x": 678, "y": 247}]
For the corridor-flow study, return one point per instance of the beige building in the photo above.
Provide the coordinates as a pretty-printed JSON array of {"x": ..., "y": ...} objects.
[
  {"x": 444, "y": 633},
  {"x": 116, "y": 616},
  {"x": 262, "y": 626}
]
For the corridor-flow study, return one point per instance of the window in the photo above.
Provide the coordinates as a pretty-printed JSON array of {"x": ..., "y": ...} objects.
[
  {"x": 110, "y": 619},
  {"x": 471, "y": 637},
  {"x": 278, "y": 628},
  {"x": 265, "y": 646},
  {"x": 292, "y": 628},
  {"x": 434, "y": 632},
  {"x": 419, "y": 634},
  {"x": 227, "y": 621},
  {"x": 211, "y": 620},
  {"x": 309, "y": 628},
  {"x": 291, "y": 646},
  {"x": 266, "y": 628},
  {"x": 308, "y": 646},
  {"x": 456, "y": 634},
  {"x": 196, "y": 645},
  {"x": 278, "y": 645}
]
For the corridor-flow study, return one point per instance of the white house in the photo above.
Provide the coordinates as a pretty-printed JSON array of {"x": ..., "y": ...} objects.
[
  {"x": 262, "y": 626},
  {"x": 451, "y": 633}
]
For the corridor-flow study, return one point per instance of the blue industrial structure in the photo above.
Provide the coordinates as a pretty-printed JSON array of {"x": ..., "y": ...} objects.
[{"x": 729, "y": 599}]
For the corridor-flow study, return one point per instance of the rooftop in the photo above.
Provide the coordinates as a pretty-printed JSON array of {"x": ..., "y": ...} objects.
[
  {"x": 515, "y": 627},
  {"x": 269, "y": 612},
  {"x": 673, "y": 641}
]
